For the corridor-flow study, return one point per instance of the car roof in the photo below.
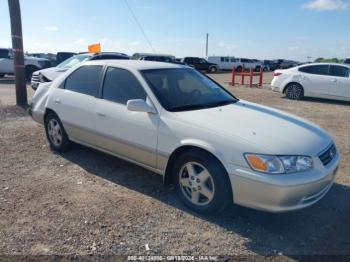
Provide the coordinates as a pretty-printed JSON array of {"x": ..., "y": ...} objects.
[
  {"x": 335, "y": 64},
  {"x": 135, "y": 64}
]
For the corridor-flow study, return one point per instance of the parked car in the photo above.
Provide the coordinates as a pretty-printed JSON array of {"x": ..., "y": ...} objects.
[
  {"x": 288, "y": 64},
  {"x": 250, "y": 64},
  {"x": 32, "y": 64},
  {"x": 175, "y": 121},
  {"x": 269, "y": 65},
  {"x": 347, "y": 61},
  {"x": 138, "y": 56},
  {"x": 160, "y": 58},
  {"x": 63, "y": 56},
  {"x": 50, "y": 74},
  {"x": 200, "y": 64},
  {"x": 225, "y": 62},
  {"x": 323, "y": 80}
]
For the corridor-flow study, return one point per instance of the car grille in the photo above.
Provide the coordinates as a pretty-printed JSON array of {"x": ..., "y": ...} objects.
[
  {"x": 328, "y": 155},
  {"x": 35, "y": 78}
]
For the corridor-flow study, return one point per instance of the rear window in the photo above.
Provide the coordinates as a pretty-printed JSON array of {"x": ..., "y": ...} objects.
[
  {"x": 85, "y": 80},
  {"x": 347, "y": 61},
  {"x": 315, "y": 69},
  {"x": 339, "y": 71}
]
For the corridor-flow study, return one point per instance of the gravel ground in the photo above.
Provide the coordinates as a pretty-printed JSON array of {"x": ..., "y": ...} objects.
[{"x": 85, "y": 202}]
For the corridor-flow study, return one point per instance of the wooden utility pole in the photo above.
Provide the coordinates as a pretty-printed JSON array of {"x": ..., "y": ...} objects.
[{"x": 17, "y": 46}]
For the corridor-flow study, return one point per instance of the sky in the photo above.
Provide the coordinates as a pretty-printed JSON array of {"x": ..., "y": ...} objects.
[{"x": 270, "y": 29}]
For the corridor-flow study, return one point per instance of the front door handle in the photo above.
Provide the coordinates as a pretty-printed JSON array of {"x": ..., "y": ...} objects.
[
  {"x": 57, "y": 101},
  {"x": 334, "y": 80},
  {"x": 101, "y": 114}
]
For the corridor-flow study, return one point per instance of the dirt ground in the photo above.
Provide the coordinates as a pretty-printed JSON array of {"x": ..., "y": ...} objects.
[{"x": 85, "y": 202}]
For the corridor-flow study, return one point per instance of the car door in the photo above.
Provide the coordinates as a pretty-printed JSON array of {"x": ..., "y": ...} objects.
[
  {"x": 204, "y": 65},
  {"x": 315, "y": 80},
  {"x": 340, "y": 81},
  {"x": 132, "y": 135},
  {"x": 75, "y": 102},
  {"x": 197, "y": 64}
]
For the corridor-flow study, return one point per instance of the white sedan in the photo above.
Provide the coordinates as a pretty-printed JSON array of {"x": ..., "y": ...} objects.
[
  {"x": 180, "y": 124},
  {"x": 322, "y": 80}
]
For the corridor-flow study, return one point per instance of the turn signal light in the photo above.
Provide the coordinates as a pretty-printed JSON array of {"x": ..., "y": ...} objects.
[{"x": 257, "y": 163}]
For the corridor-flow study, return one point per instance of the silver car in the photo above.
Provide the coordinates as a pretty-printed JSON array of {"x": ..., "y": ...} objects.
[{"x": 180, "y": 124}]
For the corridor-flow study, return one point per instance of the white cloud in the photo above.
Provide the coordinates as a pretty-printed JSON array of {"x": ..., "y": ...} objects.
[
  {"x": 293, "y": 48},
  {"x": 52, "y": 28},
  {"x": 135, "y": 43},
  {"x": 327, "y": 5},
  {"x": 80, "y": 41}
]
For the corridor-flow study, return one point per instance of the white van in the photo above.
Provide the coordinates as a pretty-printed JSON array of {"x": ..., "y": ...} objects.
[{"x": 225, "y": 62}]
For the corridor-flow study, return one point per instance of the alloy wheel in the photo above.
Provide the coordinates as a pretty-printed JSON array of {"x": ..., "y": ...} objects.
[
  {"x": 294, "y": 92},
  {"x": 196, "y": 184},
  {"x": 55, "y": 132}
]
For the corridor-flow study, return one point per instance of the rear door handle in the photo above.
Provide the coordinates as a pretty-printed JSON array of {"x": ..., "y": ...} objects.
[
  {"x": 334, "y": 80},
  {"x": 57, "y": 101}
]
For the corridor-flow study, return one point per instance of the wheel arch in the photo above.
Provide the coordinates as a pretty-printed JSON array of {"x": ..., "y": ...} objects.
[
  {"x": 168, "y": 175},
  {"x": 47, "y": 111}
]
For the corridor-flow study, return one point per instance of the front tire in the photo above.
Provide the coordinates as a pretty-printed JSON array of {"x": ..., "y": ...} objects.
[
  {"x": 55, "y": 133},
  {"x": 294, "y": 91},
  {"x": 202, "y": 182}
]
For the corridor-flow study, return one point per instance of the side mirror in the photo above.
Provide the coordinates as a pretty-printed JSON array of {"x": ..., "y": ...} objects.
[{"x": 140, "y": 105}]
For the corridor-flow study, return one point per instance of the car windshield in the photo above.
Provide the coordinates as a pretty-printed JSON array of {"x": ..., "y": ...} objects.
[
  {"x": 186, "y": 89},
  {"x": 73, "y": 61}
]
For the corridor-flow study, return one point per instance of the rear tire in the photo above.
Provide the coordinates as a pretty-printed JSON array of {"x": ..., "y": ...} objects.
[
  {"x": 213, "y": 69},
  {"x": 294, "y": 91},
  {"x": 55, "y": 133},
  {"x": 202, "y": 182}
]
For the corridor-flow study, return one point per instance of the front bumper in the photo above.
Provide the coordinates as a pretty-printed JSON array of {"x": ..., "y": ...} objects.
[
  {"x": 282, "y": 193},
  {"x": 35, "y": 85}
]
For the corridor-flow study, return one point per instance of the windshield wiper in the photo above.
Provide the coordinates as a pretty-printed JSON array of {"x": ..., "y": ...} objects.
[
  {"x": 188, "y": 107},
  {"x": 203, "y": 106},
  {"x": 223, "y": 103}
]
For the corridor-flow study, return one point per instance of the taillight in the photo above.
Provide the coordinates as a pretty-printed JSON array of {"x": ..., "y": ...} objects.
[{"x": 277, "y": 74}]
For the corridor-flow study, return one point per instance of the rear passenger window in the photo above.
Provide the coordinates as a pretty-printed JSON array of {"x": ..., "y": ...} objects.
[
  {"x": 339, "y": 71},
  {"x": 315, "y": 69},
  {"x": 120, "y": 86},
  {"x": 85, "y": 80}
]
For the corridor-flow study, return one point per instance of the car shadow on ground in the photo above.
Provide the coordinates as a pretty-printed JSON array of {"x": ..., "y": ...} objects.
[
  {"x": 323, "y": 101},
  {"x": 321, "y": 229}
]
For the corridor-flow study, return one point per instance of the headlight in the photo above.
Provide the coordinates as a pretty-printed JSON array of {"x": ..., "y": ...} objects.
[
  {"x": 279, "y": 164},
  {"x": 43, "y": 79},
  {"x": 293, "y": 164}
]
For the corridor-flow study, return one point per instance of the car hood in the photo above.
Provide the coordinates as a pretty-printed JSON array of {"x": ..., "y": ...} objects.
[
  {"x": 52, "y": 73},
  {"x": 270, "y": 130}
]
